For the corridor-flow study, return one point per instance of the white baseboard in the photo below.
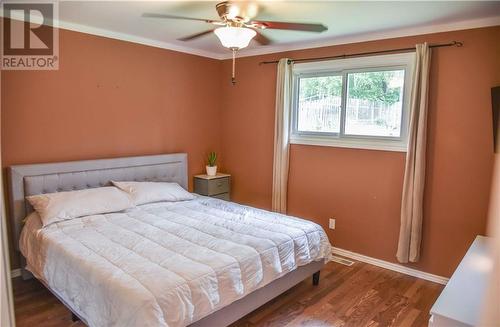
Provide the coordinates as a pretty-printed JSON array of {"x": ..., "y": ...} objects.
[
  {"x": 15, "y": 273},
  {"x": 391, "y": 266}
]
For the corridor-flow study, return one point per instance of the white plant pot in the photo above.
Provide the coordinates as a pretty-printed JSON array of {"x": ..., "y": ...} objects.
[{"x": 211, "y": 171}]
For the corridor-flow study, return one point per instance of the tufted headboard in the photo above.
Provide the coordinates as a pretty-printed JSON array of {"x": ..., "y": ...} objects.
[{"x": 25, "y": 180}]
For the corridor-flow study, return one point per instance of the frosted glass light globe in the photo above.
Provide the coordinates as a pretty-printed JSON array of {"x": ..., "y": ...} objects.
[{"x": 235, "y": 37}]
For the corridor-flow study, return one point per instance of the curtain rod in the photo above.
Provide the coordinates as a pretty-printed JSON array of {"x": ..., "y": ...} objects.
[{"x": 360, "y": 54}]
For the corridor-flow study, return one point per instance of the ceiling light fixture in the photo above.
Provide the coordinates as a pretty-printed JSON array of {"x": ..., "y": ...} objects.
[
  {"x": 234, "y": 38},
  {"x": 237, "y": 25}
]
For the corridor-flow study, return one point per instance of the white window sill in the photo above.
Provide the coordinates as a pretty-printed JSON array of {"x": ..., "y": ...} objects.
[{"x": 381, "y": 145}]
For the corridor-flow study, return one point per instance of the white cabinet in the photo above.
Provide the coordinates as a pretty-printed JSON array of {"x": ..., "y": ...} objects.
[{"x": 461, "y": 302}]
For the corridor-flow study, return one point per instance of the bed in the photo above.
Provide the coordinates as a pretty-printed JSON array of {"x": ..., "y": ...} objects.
[{"x": 202, "y": 262}]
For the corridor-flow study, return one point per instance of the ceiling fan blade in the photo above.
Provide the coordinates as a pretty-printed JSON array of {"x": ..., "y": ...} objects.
[
  {"x": 290, "y": 26},
  {"x": 194, "y": 36},
  {"x": 262, "y": 39},
  {"x": 153, "y": 15}
]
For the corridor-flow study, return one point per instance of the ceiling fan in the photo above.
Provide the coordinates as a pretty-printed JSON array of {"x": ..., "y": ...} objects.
[{"x": 237, "y": 26}]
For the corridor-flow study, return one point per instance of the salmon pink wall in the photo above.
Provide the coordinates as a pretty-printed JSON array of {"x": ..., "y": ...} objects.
[
  {"x": 111, "y": 98},
  {"x": 362, "y": 188}
]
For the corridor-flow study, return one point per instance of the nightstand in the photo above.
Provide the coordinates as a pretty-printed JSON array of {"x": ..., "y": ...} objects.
[{"x": 218, "y": 186}]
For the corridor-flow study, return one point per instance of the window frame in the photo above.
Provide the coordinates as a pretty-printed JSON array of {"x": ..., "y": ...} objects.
[{"x": 343, "y": 67}]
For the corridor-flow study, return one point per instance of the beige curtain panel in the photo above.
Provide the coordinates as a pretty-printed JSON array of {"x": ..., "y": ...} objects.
[
  {"x": 410, "y": 233},
  {"x": 281, "y": 135}
]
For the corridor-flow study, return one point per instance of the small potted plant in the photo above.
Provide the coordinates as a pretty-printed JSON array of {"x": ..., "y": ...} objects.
[{"x": 212, "y": 164}]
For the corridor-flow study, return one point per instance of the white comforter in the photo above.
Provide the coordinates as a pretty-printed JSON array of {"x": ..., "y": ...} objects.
[{"x": 167, "y": 264}]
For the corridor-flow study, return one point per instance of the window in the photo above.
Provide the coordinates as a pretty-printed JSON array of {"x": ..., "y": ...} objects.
[{"x": 358, "y": 103}]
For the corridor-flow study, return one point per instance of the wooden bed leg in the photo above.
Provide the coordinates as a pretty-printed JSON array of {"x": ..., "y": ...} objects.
[
  {"x": 74, "y": 317},
  {"x": 316, "y": 278}
]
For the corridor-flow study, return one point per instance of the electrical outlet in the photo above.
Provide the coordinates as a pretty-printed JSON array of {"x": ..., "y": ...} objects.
[{"x": 331, "y": 223}]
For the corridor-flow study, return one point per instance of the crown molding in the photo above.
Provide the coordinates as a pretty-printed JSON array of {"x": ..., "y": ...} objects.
[
  {"x": 61, "y": 24},
  {"x": 138, "y": 39},
  {"x": 248, "y": 52}
]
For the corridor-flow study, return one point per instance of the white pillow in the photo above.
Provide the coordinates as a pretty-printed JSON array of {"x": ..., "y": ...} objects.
[
  {"x": 147, "y": 192},
  {"x": 54, "y": 207}
]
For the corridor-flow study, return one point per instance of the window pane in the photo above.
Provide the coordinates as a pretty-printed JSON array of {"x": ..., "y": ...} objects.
[
  {"x": 374, "y": 103},
  {"x": 319, "y": 104}
]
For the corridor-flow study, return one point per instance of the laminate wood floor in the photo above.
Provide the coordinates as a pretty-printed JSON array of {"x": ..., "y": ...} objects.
[{"x": 359, "y": 295}]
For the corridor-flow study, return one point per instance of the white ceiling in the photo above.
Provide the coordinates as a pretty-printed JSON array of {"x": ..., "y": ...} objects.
[{"x": 346, "y": 21}]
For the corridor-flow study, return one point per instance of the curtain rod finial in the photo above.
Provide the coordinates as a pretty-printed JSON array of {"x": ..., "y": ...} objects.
[{"x": 458, "y": 44}]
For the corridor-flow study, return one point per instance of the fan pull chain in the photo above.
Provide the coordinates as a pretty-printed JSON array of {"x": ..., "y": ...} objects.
[{"x": 233, "y": 79}]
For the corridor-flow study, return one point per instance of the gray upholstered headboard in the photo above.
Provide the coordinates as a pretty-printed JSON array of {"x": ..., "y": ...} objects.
[{"x": 25, "y": 180}]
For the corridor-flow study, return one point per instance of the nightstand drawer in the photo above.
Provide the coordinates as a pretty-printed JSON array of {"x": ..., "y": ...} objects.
[
  {"x": 218, "y": 186},
  {"x": 213, "y": 186}
]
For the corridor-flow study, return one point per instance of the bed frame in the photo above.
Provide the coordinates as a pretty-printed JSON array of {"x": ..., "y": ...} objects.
[{"x": 25, "y": 180}]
